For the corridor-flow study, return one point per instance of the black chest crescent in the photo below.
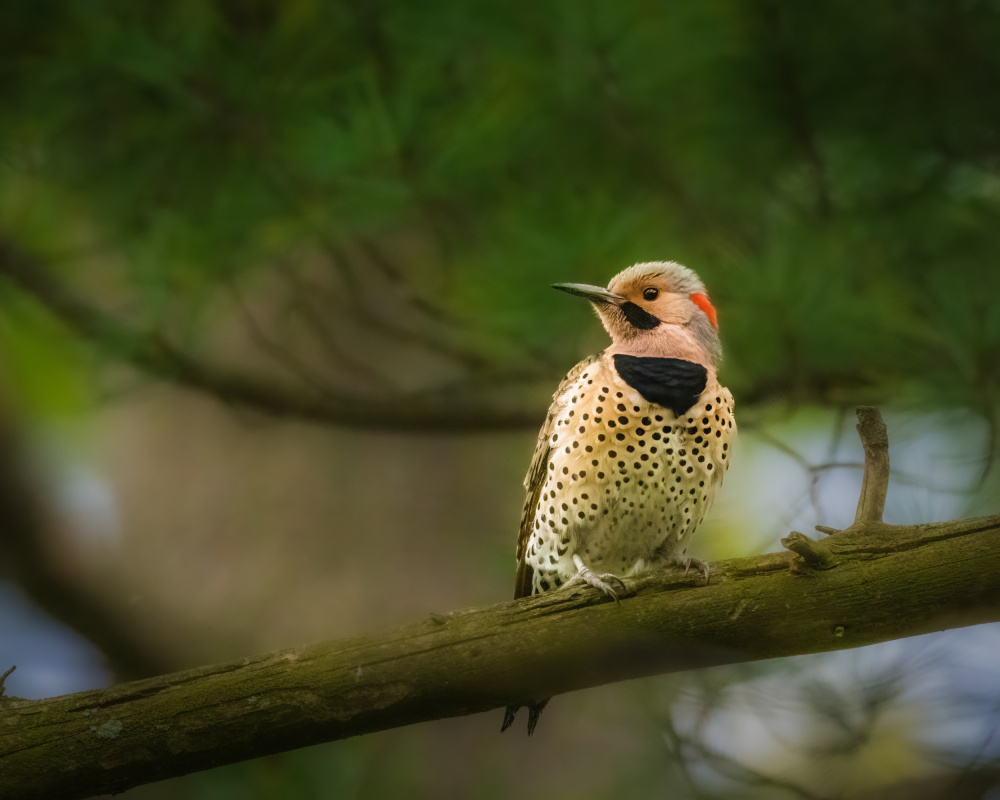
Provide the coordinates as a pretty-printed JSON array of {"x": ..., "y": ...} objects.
[{"x": 669, "y": 382}]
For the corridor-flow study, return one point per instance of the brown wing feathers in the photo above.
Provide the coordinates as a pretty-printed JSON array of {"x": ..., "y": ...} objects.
[{"x": 535, "y": 479}]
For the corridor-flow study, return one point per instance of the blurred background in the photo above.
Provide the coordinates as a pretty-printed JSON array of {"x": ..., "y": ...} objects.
[{"x": 276, "y": 339}]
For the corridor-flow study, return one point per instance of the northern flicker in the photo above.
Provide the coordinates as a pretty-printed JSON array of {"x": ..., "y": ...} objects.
[{"x": 634, "y": 446}]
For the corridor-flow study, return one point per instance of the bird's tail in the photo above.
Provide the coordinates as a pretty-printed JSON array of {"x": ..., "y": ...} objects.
[{"x": 534, "y": 712}]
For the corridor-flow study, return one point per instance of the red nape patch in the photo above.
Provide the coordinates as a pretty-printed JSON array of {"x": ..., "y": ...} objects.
[{"x": 701, "y": 300}]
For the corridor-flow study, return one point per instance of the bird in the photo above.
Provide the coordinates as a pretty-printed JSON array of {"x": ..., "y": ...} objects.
[{"x": 634, "y": 446}]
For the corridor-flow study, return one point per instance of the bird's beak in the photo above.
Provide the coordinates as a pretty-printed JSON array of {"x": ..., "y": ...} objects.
[{"x": 595, "y": 294}]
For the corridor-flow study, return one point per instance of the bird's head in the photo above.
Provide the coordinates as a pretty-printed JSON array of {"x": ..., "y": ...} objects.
[{"x": 658, "y": 308}]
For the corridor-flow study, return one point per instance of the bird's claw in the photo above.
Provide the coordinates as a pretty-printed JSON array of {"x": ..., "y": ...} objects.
[
  {"x": 687, "y": 562},
  {"x": 600, "y": 581}
]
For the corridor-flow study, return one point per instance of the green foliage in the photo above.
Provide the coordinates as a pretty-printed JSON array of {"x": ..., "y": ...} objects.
[
  {"x": 830, "y": 169},
  {"x": 42, "y": 373}
]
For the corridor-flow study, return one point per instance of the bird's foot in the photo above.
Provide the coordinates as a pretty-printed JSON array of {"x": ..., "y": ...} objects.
[
  {"x": 599, "y": 580},
  {"x": 687, "y": 562}
]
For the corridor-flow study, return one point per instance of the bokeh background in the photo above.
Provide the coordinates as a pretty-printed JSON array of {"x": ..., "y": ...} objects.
[{"x": 276, "y": 338}]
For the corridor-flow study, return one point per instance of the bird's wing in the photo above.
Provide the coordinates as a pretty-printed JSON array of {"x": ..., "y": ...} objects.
[{"x": 535, "y": 478}]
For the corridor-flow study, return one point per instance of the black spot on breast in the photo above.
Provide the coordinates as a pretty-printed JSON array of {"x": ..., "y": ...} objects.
[{"x": 670, "y": 382}]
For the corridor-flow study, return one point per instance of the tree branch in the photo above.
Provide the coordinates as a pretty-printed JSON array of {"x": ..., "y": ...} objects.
[
  {"x": 155, "y": 355},
  {"x": 875, "y": 483},
  {"x": 880, "y": 584},
  {"x": 3, "y": 679}
]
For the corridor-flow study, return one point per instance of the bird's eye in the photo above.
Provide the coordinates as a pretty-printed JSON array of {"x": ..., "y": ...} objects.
[{"x": 650, "y": 293}]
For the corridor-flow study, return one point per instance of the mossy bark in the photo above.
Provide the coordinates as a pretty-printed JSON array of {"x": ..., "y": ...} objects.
[{"x": 871, "y": 583}]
